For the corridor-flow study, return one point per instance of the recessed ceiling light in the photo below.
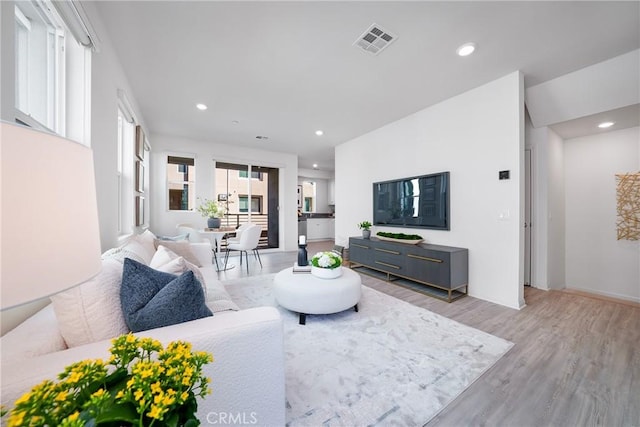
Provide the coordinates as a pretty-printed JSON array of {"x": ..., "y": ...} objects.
[
  {"x": 466, "y": 49},
  {"x": 605, "y": 125},
  {"x": 319, "y": 133},
  {"x": 315, "y": 166},
  {"x": 201, "y": 107}
]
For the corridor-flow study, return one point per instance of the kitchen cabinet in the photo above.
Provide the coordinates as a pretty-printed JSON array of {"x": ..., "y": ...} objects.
[{"x": 320, "y": 228}]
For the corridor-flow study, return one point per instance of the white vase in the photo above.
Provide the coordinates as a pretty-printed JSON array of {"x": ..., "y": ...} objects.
[{"x": 326, "y": 273}]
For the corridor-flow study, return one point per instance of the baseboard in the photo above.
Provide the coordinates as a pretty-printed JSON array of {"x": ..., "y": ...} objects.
[{"x": 603, "y": 297}]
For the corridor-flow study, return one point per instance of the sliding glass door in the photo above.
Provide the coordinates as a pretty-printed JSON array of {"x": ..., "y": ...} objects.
[{"x": 250, "y": 194}]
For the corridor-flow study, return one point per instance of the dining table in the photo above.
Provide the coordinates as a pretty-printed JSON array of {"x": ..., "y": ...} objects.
[{"x": 216, "y": 236}]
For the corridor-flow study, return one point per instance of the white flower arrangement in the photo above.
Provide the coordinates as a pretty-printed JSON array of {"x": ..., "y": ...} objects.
[{"x": 329, "y": 260}]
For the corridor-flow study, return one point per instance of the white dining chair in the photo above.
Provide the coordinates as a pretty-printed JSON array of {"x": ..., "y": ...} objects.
[
  {"x": 248, "y": 242},
  {"x": 239, "y": 231}
]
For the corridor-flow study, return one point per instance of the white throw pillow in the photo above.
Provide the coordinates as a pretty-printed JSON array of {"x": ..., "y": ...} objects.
[
  {"x": 131, "y": 249},
  {"x": 162, "y": 256},
  {"x": 147, "y": 241},
  {"x": 91, "y": 311},
  {"x": 182, "y": 248},
  {"x": 169, "y": 262}
]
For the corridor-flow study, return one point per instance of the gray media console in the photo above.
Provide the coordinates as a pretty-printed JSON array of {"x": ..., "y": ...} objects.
[{"x": 435, "y": 270}]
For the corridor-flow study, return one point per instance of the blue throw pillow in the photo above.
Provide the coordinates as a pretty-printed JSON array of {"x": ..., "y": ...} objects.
[{"x": 154, "y": 299}]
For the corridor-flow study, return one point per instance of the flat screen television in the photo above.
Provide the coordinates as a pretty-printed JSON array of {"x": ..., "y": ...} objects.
[{"x": 419, "y": 201}]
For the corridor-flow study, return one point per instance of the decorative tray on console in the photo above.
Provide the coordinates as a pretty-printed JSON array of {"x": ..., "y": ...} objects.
[{"x": 393, "y": 239}]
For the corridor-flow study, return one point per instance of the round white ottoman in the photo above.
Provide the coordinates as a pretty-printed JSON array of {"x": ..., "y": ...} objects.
[{"x": 305, "y": 294}]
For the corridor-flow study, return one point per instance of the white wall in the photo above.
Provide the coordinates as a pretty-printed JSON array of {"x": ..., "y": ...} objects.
[
  {"x": 107, "y": 77},
  {"x": 473, "y": 135},
  {"x": 556, "y": 214},
  {"x": 164, "y": 221},
  {"x": 595, "y": 260},
  {"x": 322, "y": 179},
  {"x": 612, "y": 84},
  {"x": 7, "y": 65},
  {"x": 322, "y": 193}
]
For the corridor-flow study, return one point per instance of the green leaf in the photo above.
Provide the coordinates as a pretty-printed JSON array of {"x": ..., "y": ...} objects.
[
  {"x": 118, "y": 412},
  {"x": 193, "y": 422}
]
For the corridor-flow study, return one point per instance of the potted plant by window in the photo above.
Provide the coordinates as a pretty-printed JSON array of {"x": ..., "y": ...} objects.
[
  {"x": 213, "y": 211},
  {"x": 365, "y": 227}
]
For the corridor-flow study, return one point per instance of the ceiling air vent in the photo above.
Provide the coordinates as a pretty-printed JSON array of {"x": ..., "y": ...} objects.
[{"x": 375, "y": 39}]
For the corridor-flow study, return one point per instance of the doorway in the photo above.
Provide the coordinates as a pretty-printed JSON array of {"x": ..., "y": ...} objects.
[
  {"x": 250, "y": 195},
  {"x": 527, "y": 217}
]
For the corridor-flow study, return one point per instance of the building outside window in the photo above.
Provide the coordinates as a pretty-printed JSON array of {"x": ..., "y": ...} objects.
[
  {"x": 256, "y": 204},
  {"x": 254, "y": 174},
  {"x": 181, "y": 174}
]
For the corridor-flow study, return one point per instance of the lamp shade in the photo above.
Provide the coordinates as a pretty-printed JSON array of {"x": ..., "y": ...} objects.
[{"x": 49, "y": 235}]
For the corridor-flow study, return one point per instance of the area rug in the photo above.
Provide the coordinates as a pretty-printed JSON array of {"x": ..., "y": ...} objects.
[{"x": 389, "y": 364}]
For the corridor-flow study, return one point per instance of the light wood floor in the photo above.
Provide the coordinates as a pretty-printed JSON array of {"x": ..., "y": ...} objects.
[{"x": 575, "y": 362}]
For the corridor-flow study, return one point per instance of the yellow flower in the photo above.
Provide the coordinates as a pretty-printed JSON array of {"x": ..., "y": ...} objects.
[
  {"x": 157, "y": 399},
  {"x": 24, "y": 398},
  {"x": 99, "y": 393},
  {"x": 155, "y": 412},
  {"x": 74, "y": 377},
  {"x": 16, "y": 418},
  {"x": 150, "y": 369}
]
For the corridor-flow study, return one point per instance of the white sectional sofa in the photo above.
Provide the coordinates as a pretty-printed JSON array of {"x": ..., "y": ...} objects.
[{"x": 247, "y": 375}]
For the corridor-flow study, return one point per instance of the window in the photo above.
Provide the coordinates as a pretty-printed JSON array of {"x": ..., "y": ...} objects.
[
  {"x": 126, "y": 131},
  {"x": 254, "y": 174},
  {"x": 181, "y": 175},
  {"x": 256, "y": 204},
  {"x": 52, "y": 72}
]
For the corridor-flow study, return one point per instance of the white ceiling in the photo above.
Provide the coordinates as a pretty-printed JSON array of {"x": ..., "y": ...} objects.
[{"x": 285, "y": 69}]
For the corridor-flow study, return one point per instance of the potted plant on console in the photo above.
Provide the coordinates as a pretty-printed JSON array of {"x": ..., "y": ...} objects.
[
  {"x": 365, "y": 227},
  {"x": 213, "y": 211}
]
